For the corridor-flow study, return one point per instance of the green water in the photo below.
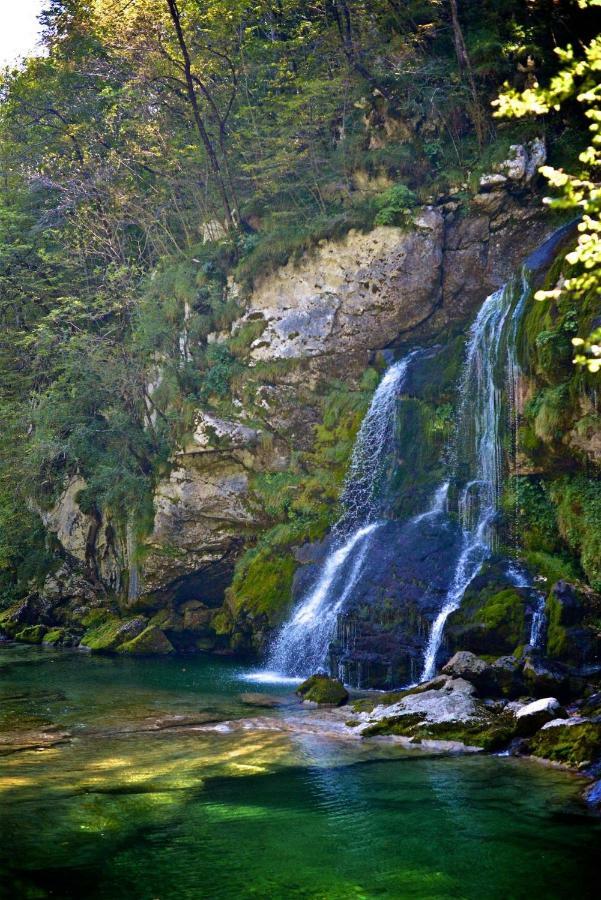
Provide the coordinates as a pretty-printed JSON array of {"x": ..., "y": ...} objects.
[{"x": 194, "y": 808}]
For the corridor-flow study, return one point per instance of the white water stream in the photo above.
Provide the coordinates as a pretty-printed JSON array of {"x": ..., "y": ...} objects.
[
  {"x": 301, "y": 646},
  {"x": 478, "y": 452}
]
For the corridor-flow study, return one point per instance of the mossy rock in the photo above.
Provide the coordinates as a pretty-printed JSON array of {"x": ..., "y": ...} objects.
[
  {"x": 490, "y": 733},
  {"x": 489, "y": 623},
  {"x": 110, "y": 632},
  {"x": 32, "y": 634},
  {"x": 54, "y": 637},
  {"x": 151, "y": 642},
  {"x": 572, "y": 745},
  {"x": 264, "y": 585},
  {"x": 323, "y": 690},
  {"x": 401, "y": 726},
  {"x": 573, "y": 618}
]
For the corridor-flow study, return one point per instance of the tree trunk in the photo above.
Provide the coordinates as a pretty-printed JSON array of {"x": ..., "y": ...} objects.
[
  {"x": 198, "y": 121},
  {"x": 465, "y": 66}
]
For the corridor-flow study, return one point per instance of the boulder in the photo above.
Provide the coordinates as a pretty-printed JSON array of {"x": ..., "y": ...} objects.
[
  {"x": 569, "y": 639},
  {"x": 152, "y": 641},
  {"x": 542, "y": 677},
  {"x": 452, "y": 702},
  {"x": 323, "y": 690},
  {"x": 466, "y": 665},
  {"x": 107, "y": 633},
  {"x": 32, "y": 634},
  {"x": 533, "y": 716},
  {"x": 54, "y": 637}
]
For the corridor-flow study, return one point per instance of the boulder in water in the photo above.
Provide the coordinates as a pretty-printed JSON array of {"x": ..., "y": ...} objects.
[
  {"x": 151, "y": 641},
  {"x": 323, "y": 690}
]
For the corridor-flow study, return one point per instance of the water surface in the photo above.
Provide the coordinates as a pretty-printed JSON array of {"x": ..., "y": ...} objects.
[{"x": 151, "y": 796}]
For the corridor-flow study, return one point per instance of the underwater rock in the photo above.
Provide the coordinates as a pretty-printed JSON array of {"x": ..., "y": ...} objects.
[
  {"x": 263, "y": 701},
  {"x": 323, "y": 690}
]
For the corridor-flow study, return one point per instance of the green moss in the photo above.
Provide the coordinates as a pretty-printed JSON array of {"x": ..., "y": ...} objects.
[
  {"x": 491, "y": 734},
  {"x": 152, "y": 641},
  {"x": 489, "y": 621},
  {"x": 103, "y": 632},
  {"x": 573, "y": 745},
  {"x": 31, "y": 634},
  {"x": 402, "y": 726},
  {"x": 263, "y": 586},
  {"x": 552, "y": 567},
  {"x": 557, "y": 639},
  {"x": 323, "y": 690},
  {"x": 504, "y": 613},
  {"x": 578, "y": 500},
  {"x": 54, "y": 636},
  {"x": 107, "y": 632}
]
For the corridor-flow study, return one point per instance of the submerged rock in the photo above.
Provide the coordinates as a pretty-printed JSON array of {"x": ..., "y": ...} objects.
[
  {"x": 263, "y": 701},
  {"x": 323, "y": 690}
]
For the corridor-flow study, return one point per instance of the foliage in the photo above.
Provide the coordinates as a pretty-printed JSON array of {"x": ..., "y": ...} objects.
[
  {"x": 394, "y": 205},
  {"x": 158, "y": 147},
  {"x": 579, "y": 192}
]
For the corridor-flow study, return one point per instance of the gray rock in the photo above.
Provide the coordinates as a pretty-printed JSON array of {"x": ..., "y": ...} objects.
[{"x": 533, "y": 716}]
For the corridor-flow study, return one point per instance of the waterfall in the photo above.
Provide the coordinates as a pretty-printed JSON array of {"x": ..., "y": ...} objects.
[
  {"x": 365, "y": 485},
  {"x": 522, "y": 578},
  {"x": 301, "y": 647},
  {"x": 478, "y": 451}
]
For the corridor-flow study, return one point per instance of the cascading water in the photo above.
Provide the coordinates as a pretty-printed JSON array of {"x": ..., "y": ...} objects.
[
  {"x": 487, "y": 416},
  {"x": 301, "y": 647},
  {"x": 521, "y": 578},
  {"x": 478, "y": 452}
]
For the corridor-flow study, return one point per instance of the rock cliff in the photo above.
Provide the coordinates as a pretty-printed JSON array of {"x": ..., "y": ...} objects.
[{"x": 318, "y": 324}]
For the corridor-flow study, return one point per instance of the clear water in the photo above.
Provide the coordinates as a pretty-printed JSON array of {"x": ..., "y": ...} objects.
[{"x": 251, "y": 809}]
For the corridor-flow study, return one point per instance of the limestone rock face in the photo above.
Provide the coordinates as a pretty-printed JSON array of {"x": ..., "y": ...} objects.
[
  {"x": 92, "y": 543},
  {"x": 70, "y": 525},
  {"x": 200, "y": 517},
  {"x": 353, "y": 295}
]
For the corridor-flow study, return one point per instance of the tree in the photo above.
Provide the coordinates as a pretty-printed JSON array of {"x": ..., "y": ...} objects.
[{"x": 578, "y": 78}]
